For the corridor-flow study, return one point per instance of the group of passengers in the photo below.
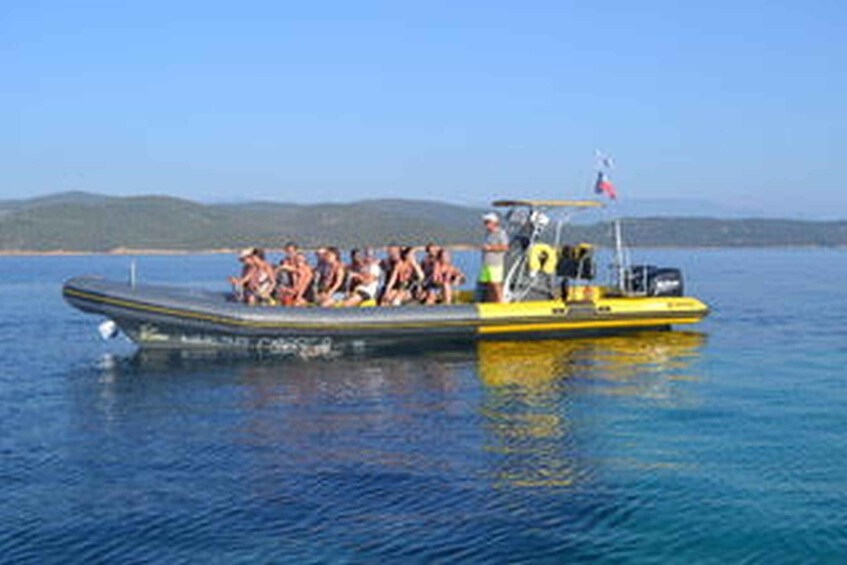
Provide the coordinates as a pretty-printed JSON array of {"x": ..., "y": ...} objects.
[{"x": 396, "y": 279}]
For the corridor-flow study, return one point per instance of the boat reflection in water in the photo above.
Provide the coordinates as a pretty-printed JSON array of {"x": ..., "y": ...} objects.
[
  {"x": 509, "y": 414},
  {"x": 535, "y": 367},
  {"x": 541, "y": 398}
]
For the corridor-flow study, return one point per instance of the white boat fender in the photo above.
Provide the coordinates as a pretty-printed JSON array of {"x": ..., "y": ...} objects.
[{"x": 108, "y": 330}]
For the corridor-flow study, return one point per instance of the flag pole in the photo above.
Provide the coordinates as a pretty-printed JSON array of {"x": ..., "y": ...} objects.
[{"x": 603, "y": 186}]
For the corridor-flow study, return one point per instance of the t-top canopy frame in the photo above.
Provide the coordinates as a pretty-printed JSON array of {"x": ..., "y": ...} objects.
[{"x": 548, "y": 203}]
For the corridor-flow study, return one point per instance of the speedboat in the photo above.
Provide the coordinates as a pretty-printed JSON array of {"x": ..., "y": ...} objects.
[{"x": 550, "y": 292}]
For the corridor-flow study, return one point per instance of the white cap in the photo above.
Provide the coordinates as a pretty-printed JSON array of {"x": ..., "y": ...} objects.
[{"x": 491, "y": 217}]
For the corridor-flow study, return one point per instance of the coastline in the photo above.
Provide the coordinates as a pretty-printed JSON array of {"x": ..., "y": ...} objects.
[
  {"x": 115, "y": 252},
  {"x": 124, "y": 252}
]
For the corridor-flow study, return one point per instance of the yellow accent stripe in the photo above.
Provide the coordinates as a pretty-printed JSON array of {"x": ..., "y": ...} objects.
[
  {"x": 587, "y": 324},
  {"x": 511, "y": 310},
  {"x": 603, "y": 308}
]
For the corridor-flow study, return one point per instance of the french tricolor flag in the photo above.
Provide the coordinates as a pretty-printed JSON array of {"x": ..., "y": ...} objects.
[{"x": 604, "y": 186}]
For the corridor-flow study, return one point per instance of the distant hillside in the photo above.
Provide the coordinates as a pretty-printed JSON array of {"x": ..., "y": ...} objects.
[
  {"x": 750, "y": 232},
  {"x": 684, "y": 208},
  {"x": 72, "y": 197},
  {"x": 78, "y": 222},
  {"x": 712, "y": 232},
  {"x": 88, "y": 222}
]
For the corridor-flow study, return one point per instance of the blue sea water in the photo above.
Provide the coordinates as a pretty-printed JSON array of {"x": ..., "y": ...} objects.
[{"x": 725, "y": 443}]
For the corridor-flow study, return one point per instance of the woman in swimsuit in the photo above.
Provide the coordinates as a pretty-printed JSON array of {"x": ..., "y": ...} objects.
[
  {"x": 333, "y": 282},
  {"x": 404, "y": 278},
  {"x": 445, "y": 278},
  {"x": 256, "y": 283},
  {"x": 263, "y": 279},
  {"x": 387, "y": 267},
  {"x": 428, "y": 266},
  {"x": 240, "y": 284},
  {"x": 365, "y": 273}
]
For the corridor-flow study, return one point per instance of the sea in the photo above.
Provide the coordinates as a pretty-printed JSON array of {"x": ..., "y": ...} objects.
[{"x": 724, "y": 442}]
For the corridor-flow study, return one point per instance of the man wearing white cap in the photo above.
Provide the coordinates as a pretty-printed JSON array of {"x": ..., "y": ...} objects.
[{"x": 493, "y": 257}]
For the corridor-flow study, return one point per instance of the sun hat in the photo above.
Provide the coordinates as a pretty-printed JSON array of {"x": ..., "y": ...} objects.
[
  {"x": 491, "y": 217},
  {"x": 246, "y": 252}
]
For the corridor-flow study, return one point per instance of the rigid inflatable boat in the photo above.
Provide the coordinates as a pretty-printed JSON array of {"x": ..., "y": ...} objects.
[
  {"x": 549, "y": 292},
  {"x": 167, "y": 317}
]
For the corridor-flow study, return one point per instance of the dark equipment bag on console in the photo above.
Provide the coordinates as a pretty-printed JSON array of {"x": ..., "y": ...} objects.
[
  {"x": 654, "y": 281},
  {"x": 576, "y": 262}
]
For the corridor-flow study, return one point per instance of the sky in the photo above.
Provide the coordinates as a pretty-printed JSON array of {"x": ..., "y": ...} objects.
[{"x": 737, "y": 103}]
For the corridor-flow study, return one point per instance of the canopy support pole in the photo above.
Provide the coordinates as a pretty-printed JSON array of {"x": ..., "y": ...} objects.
[{"x": 620, "y": 267}]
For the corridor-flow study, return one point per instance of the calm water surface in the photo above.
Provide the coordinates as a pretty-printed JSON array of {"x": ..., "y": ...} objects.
[{"x": 725, "y": 444}]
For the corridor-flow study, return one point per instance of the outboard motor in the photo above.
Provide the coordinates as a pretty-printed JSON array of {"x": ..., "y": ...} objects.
[{"x": 650, "y": 280}]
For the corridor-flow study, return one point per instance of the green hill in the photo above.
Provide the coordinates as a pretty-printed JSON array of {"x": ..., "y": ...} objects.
[
  {"x": 157, "y": 222},
  {"x": 89, "y": 222}
]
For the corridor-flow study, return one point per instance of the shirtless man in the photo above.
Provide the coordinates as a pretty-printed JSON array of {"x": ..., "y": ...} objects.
[{"x": 296, "y": 273}]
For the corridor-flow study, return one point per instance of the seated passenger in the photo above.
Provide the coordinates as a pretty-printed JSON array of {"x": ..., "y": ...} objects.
[
  {"x": 392, "y": 256},
  {"x": 265, "y": 280},
  {"x": 331, "y": 285},
  {"x": 354, "y": 265},
  {"x": 428, "y": 268},
  {"x": 417, "y": 275},
  {"x": 320, "y": 273},
  {"x": 303, "y": 285},
  {"x": 295, "y": 277},
  {"x": 241, "y": 283},
  {"x": 256, "y": 283},
  {"x": 387, "y": 266},
  {"x": 363, "y": 278},
  {"x": 446, "y": 277},
  {"x": 403, "y": 280},
  {"x": 285, "y": 274}
]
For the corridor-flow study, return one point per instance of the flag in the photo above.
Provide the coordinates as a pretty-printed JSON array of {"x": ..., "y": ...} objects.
[{"x": 604, "y": 186}]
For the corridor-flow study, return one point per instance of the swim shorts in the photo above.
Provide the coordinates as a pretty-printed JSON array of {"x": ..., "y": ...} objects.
[
  {"x": 366, "y": 293},
  {"x": 491, "y": 274}
]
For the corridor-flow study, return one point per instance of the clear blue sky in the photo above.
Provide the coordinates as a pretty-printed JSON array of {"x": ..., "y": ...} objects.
[{"x": 316, "y": 101}]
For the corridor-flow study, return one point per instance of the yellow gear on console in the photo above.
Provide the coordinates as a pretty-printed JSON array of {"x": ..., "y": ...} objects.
[{"x": 542, "y": 258}]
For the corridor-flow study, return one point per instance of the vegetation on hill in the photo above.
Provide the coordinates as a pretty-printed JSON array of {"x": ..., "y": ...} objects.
[
  {"x": 86, "y": 222},
  {"x": 156, "y": 222}
]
